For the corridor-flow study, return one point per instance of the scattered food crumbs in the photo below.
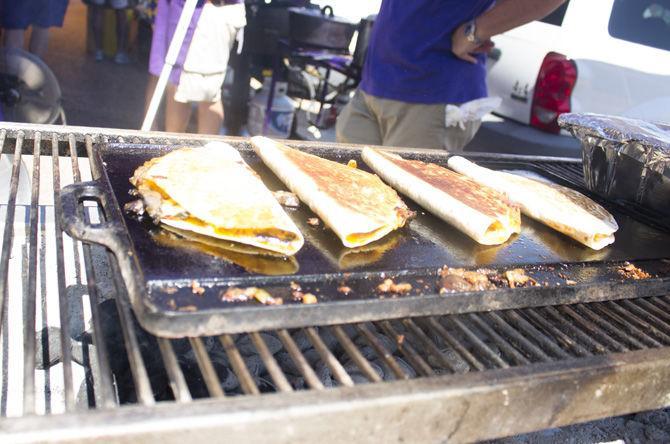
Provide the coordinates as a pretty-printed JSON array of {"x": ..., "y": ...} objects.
[
  {"x": 134, "y": 207},
  {"x": 344, "y": 290},
  {"x": 286, "y": 198},
  {"x": 235, "y": 294},
  {"x": 409, "y": 214},
  {"x": 388, "y": 286},
  {"x": 313, "y": 221},
  {"x": 170, "y": 290},
  {"x": 630, "y": 271},
  {"x": 400, "y": 339},
  {"x": 518, "y": 278},
  {"x": 352, "y": 163},
  {"x": 264, "y": 297},
  {"x": 570, "y": 282},
  {"x": 188, "y": 308},
  {"x": 196, "y": 288},
  {"x": 458, "y": 279},
  {"x": 296, "y": 291},
  {"x": 172, "y": 304},
  {"x": 309, "y": 298}
]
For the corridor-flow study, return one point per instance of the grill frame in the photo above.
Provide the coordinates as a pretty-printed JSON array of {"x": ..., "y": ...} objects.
[{"x": 529, "y": 369}]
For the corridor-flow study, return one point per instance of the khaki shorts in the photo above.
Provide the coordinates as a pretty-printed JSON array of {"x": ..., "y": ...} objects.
[{"x": 372, "y": 120}]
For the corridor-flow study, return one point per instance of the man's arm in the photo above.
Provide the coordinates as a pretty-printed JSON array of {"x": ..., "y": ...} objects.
[{"x": 503, "y": 16}]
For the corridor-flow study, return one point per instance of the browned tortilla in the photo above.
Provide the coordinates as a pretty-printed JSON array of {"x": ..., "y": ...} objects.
[
  {"x": 478, "y": 211},
  {"x": 478, "y": 197},
  {"x": 355, "y": 204},
  {"x": 352, "y": 188}
]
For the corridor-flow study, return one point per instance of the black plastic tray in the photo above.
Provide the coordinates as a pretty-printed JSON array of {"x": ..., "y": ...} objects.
[{"x": 160, "y": 271}]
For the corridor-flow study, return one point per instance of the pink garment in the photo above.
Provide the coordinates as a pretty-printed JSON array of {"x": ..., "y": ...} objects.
[{"x": 165, "y": 24}]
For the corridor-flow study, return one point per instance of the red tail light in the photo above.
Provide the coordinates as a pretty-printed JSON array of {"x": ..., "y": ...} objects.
[{"x": 553, "y": 88}]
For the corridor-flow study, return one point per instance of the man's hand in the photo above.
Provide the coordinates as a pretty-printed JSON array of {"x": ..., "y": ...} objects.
[{"x": 466, "y": 50}]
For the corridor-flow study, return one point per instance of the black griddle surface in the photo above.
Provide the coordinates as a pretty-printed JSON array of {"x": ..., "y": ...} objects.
[
  {"x": 169, "y": 266},
  {"x": 426, "y": 242}
]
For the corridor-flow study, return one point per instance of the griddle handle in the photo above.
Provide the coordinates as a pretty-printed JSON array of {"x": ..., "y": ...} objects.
[{"x": 72, "y": 197}]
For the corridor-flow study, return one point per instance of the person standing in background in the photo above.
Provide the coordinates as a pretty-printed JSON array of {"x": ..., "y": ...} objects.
[
  {"x": 206, "y": 64},
  {"x": 96, "y": 15},
  {"x": 16, "y": 16},
  {"x": 202, "y": 62},
  {"x": 423, "y": 55},
  {"x": 165, "y": 23}
]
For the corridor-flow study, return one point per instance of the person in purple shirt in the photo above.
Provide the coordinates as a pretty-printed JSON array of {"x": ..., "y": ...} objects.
[{"x": 423, "y": 55}]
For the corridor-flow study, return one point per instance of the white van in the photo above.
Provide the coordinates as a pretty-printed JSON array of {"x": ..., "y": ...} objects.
[{"x": 601, "y": 56}]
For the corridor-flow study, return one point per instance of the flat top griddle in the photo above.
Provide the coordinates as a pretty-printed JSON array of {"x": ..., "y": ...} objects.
[{"x": 168, "y": 268}]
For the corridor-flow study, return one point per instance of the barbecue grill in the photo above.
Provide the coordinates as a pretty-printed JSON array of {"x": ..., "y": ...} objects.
[{"x": 95, "y": 374}]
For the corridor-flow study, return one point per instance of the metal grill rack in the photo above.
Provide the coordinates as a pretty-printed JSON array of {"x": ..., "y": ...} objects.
[{"x": 91, "y": 373}]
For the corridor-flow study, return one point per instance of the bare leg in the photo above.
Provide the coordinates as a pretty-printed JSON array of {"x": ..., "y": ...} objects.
[
  {"x": 121, "y": 31},
  {"x": 39, "y": 40},
  {"x": 177, "y": 114},
  {"x": 14, "y": 38},
  {"x": 210, "y": 117}
]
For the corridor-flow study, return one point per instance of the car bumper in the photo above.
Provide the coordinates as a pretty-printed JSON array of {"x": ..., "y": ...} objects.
[{"x": 500, "y": 135}]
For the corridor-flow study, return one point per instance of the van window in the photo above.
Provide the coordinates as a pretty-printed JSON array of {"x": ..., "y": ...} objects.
[
  {"x": 646, "y": 22},
  {"x": 556, "y": 17}
]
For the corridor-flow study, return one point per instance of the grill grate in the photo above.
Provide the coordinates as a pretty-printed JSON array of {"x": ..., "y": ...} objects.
[{"x": 105, "y": 360}]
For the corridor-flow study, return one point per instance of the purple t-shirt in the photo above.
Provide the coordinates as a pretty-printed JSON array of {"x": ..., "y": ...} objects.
[{"x": 409, "y": 57}]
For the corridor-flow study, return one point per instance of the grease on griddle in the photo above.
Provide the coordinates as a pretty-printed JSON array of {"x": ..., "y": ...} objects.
[{"x": 630, "y": 271}]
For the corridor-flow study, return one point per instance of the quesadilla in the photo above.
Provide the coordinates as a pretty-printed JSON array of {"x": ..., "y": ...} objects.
[
  {"x": 356, "y": 205},
  {"x": 561, "y": 208},
  {"x": 478, "y": 211},
  {"x": 252, "y": 259},
  {"x": 211, "y": 191}
]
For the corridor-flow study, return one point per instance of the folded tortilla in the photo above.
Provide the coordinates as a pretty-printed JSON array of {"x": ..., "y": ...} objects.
[
  {"x": 478, "y": 211},
  {"x": 356, "y": 205},
  {"x": 250, "y": 258},
  {"x": 561, "y": 208},
  {"x": 211, "y": 191}
]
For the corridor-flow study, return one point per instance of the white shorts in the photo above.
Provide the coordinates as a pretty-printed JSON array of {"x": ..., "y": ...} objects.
[
  {"x": 196, "y": 87},
  {"x": 207, "y": 58}
]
